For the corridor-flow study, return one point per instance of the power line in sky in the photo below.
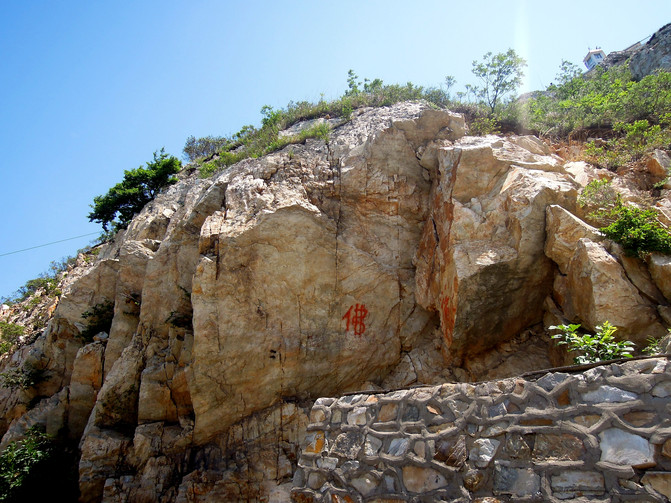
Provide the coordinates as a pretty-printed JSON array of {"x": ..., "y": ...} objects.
[{"x": 47, "y": 244}]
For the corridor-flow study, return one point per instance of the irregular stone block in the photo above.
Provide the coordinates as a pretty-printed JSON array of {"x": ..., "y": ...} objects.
[
  {"x": 317, "y": 415},
  {"x": 517, "y": 447},
  {"x": 372, "y": 445},
  {"x": 398, "y": 447},
  {"x": 608, "y": 394},
  {"x": 316, "y": 480},
  {"x": 515, "y": 481},
  {"x": 622, "y": 448},
  {"x": 563, "y": 231},
  {"x": 452, "y": 451},
  {"x": 662, "y": 390},
  {"x": 421, "y": 480},
  {"x": 536, "y": 422},
  {"x": 495, "y": 430},
  {"x": 473, "y": 480},
  {"x": 411, "y": 414},
  {"x": 388, "y": 412},
  {"x": 659, "y": 481},
  {"x": 357, "y": 416},
  {"x": 558, "y": 446},
  {"x": 666, "y": 448},
  {"x": 572, "y": 483},
  {"x": 365, "y": 484},
  {"x": 327, "y": 463},
  {"x": 660, "y": 270},
  {"x": 484, "y": 449},
  {"x": 587, "y": 420},
  {"x": 639, "y": 418},
  {"x": 350, "y": 399},
  {"x": 336, "y": 416},
  {"x": 302, "y": 497},
  {"x": 348, "y": 444},
  {"x": 599, "y": 290},
  {"x": 497, "y": 410},
  {"x": 658, "y": 163},
  {"x": 315, "y": 442},
  {"x": 564, "y": 398}
]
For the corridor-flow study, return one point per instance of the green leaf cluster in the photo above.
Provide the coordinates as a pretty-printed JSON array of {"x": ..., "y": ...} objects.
[
  {"x": 138, "y": 187},
  {"x": 633, "y": 141},
  {"x": 252, "y": 142},
  {"x": 204, "y": 147},
  {"x": 38, "y": 467},
  {"x": 593, "y": 348},
  {"x": 21, "y": 461},
  {"x": 500, "y": 75},
  {"x": 598, "y": 198},
  {"x": 654, "y": 346},
  {"x": 637, "y": 230},
  {"x": 599, "y": 99},
  {"x": 99, "y": 319},
  {"x": 22, "y": 377},
  {"x": 9, "y": 336}
]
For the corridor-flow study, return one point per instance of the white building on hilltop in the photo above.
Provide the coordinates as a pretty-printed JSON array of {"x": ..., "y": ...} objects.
[{"x": 593, "y": 58}]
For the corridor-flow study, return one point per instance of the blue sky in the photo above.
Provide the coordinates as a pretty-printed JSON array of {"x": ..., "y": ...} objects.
[{"x": 90, "y": 88}]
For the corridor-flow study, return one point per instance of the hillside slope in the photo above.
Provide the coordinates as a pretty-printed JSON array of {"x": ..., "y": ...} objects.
[{"x": 399, "y": 252}]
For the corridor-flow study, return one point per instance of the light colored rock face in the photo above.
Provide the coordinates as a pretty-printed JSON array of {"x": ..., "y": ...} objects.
[
  {"x": 655, "y": 54},
  {"x": 305, "y": 284},
  {"x": 563, "y": 232},
  {"x": 622, "y": 448},
  {"x": 599, "y": 290},
  {"x": 399, "y": 253},
  {"x": 481, "y": 263},
  {"x": 87, "y": 376},
  {"x": 660, "y": 270}
]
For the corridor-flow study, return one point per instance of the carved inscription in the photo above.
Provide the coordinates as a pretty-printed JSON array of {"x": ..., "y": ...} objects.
[{"x": 355, "y": 317}]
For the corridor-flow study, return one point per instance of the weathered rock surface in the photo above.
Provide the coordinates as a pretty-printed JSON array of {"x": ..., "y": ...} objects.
[
  {"x": 480, "y": 263},
  {"x": 401, "y": 252},
  {"x": 598, "y": 289},
  {"x": 654, "y": 55}
]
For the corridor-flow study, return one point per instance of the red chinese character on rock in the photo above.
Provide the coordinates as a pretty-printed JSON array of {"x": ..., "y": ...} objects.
[{"x": 355, "y": 316}]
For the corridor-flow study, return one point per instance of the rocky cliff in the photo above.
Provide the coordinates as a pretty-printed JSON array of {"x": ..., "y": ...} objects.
[
  {"x": 645, "y": 59},
  {"x": 400, "y": 252}
]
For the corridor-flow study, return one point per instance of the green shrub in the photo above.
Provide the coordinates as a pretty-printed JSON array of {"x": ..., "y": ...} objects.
[
  {"x": 99, "y": 319},
  {"x": 483, "y": 126},
  {"x": 638, "y": 231},
  {"x": 23, "y": 378},
  {"x": 598, "y": 198},
  {"x": 601, "y": 99},
  {"x": 594, "y": 348},
  {"x": 654, "y": 346},
  {"x": 225, "y": 159},
  {"x": 251, "y": 142},
  {"x": 138, "y": 187},
  {"x": 37, "y": 468},
  {"x": 48, "y": 284},
  {"x": 634, "y": 141},
  {"x": 9, "y": 336},
  {"x": 207, "y": 146},
  {"x": 500, "y": 74},
  {"x": 21, "y": 461}
]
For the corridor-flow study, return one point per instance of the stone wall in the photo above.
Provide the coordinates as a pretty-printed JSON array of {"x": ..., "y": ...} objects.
[{"x": 600, "y": 435}]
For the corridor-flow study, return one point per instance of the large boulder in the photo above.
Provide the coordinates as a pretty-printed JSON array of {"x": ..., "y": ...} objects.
[
  {"x": 308, "y": 272},
  {"x": 481, "y": 264},
  {"x": 599, "y": 290}
]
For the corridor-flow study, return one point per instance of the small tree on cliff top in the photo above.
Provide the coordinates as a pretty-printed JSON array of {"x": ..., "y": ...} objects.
[
  {"x": 500, "y": 75},
  {"x": 139, "y": 186}
]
